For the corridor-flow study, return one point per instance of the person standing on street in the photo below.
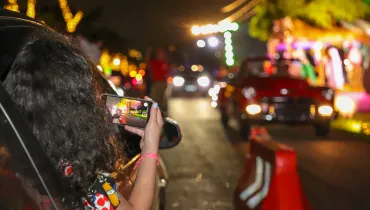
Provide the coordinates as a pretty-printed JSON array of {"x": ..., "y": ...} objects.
[{"x": 159, "y": 71}]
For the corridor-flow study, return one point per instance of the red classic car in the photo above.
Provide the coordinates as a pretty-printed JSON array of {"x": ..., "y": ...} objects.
[{"x": 267, "y": 92}]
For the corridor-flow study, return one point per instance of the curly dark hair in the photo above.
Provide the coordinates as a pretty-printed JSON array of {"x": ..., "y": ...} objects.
[{"x": 56, "y": 89}]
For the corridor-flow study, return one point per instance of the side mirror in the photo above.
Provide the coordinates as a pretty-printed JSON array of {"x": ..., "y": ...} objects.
[{"x": 171, "y": 135}]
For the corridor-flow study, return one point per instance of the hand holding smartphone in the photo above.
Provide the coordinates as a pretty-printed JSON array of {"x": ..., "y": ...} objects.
[{"x": 128, "y": 111}]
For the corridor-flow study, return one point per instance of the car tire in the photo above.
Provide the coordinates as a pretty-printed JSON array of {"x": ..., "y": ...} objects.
[
  {"x": 244, "y": 128},
  {"x": 322, "y": 129}
]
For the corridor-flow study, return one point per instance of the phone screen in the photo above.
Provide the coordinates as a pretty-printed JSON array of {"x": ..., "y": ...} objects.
[{"x": 129, "y": 111}]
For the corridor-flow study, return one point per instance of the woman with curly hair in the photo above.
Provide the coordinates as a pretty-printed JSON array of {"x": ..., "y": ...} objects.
[{"x": 55, "y": 88}]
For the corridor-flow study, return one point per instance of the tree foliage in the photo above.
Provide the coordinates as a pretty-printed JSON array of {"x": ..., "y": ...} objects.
[{"x": 321, "y": 13}]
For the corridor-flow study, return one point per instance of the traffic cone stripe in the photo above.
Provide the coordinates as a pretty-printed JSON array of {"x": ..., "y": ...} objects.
[
  {"x": 262, "y": 168},
  {"x": 257, "y": 181},
  {"x": 257, "y": 198}
]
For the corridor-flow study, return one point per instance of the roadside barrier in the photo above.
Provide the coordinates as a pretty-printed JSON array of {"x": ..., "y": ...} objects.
[{"x": 270, "y": 180}]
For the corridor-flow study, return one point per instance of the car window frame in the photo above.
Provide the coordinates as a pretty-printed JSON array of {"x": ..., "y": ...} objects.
[{"x": 50, "y": 179}]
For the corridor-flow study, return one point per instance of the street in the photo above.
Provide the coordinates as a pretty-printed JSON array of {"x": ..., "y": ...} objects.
[{"x": 206, "y": 166}]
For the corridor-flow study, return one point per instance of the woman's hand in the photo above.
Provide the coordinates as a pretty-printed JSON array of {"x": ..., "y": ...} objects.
[{"x": 151, "y": 135}]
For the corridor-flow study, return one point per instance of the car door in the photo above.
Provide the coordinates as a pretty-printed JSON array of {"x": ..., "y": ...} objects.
[{"x": 27, "y": 177}]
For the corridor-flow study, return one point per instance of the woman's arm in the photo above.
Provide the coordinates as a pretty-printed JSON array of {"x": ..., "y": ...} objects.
[{"x": 142, "y": 195}]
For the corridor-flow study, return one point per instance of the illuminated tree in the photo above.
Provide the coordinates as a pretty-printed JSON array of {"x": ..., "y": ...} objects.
[{"x": 321, "y": 13}]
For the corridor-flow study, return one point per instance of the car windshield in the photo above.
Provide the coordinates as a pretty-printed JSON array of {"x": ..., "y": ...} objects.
[{"x": 266, "y": 68}]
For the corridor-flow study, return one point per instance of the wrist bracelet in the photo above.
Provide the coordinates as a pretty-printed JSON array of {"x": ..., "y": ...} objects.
[{"x": 151, "y": 155}]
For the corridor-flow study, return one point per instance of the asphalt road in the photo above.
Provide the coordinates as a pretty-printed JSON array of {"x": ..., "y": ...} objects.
[{"x": 205, "y": 166}]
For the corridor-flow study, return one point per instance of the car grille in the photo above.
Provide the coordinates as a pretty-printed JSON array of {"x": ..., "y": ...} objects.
[
  {"x": 287, "y": 100},
  {"x": 290, "y": 106}
]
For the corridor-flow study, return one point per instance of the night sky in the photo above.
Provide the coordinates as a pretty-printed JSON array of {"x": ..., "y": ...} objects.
[
  {"x": 161, "y": 22},
  {"x": 154, "y": 21},
  {"x": 142, "y": 23}
]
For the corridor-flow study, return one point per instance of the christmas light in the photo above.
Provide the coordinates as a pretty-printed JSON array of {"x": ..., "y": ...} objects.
[
  {"x": 229, "y": 55},
  {"x": 31, "y": 8},
  {"x": 222, "y": 26},
  {"x": 12, "y": 5},
  {"x": 72, "y": 21}
]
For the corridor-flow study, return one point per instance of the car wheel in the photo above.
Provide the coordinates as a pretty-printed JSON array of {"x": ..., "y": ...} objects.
[
  {"x": 322, "y": 129},
  {"x": 244, "y": 128}
]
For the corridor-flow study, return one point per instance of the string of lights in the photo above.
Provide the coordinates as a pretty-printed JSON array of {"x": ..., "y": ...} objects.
[
  {"x": 229, "y": 54},
  {"x": 71, "y": 21}
]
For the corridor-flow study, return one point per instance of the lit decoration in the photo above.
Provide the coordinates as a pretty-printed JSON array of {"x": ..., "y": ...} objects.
[
  {"x": 108, "y": 71},
  {"x": 268, "y": 67},
  {"x": 317, "y": 48},
  {"x": 334, "y": 70},
  {"x": 12, "y": 5},
  {"x": 139, "y": 77},
  {"x": 142, "y": 65},
  {"x": 194, "y": 68},
  {"x": 352, "y": 125},
  {"x": 134, "y": 81},
  {"x": 214, "y": 28},
  {"x": 213, "y": 41},
  {"x": 345, "y": 105},
  {"x": 214, "y": 104},
  {"x": 200, "y": 68},
  {"x": 100, "y": 68},
  {"x": 116, "y": 61},
  {"x": 229, "y": 55},
  {"x": 142, "y": 72},
  {"x": 31, "y": 8},
  {"x": 135, "y": 54},
  {"x": 355, "y": 56},
  {"x": 132, "y": 73},
  {"x": 72, "y": 21},
  {"x": 181, "y": 68},
  {"x": 124, "y": 65},
  {"x": 201, "y": 43}
]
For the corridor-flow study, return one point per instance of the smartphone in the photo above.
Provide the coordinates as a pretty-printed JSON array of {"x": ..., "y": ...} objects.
[{"x": 128, "y": 111}]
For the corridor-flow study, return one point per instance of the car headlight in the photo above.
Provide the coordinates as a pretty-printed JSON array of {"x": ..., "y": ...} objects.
[
  {"x": 178, "y": 81},
  {"x": 253, "y": 109},
  {"x": 325, "y": 110},
  {"x": 249, "y": 92},
  {"x": 328, "y": 94},
  {"x": 203, "y": 81}
]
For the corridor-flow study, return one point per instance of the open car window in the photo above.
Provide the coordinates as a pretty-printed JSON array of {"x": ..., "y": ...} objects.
[{"x": 27, "y": 178}]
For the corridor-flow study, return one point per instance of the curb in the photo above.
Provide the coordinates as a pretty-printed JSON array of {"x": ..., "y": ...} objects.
[{"x": 352, "y": 126}]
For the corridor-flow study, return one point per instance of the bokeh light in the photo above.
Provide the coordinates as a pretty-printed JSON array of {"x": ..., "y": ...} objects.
[
  {"x": 213, "y": 41},
  {"x": 201, "y": 43}
]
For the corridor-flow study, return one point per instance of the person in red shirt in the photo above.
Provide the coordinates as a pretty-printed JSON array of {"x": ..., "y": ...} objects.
[{"x": 159, "y": 71}]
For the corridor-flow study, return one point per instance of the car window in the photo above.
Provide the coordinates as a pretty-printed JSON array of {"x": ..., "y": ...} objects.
[
  {"x": 265, "y": 67},
  {"x": 27, "y": 177}
]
